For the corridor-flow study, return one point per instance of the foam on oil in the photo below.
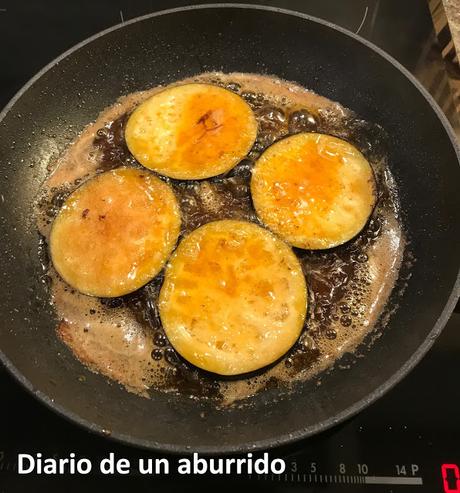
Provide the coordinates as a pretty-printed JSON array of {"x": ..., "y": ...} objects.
[{"x": 349, "y": 286}]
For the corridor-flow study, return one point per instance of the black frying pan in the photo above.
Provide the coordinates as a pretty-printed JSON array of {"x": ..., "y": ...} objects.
[{"x": 56, "y": 104}]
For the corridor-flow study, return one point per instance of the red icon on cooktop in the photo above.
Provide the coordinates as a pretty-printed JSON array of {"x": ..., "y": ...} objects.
[{"x": 450, "y": 478}]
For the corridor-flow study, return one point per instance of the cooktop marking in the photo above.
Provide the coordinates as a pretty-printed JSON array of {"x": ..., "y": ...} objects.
[{"x": 418, "y": 481}]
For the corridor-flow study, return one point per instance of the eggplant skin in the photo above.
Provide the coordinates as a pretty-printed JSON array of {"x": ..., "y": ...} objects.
[{"x": 115, "y": 232}]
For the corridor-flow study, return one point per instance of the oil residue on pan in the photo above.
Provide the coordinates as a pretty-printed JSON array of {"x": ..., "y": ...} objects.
[{"x": 349, "y": 285}]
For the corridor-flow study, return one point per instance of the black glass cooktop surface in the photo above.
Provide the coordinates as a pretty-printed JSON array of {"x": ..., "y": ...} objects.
[{"x": 398, "y": 444}]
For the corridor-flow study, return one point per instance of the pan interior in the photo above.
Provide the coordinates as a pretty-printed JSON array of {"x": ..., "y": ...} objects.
[{"x": 348, "y": 285}]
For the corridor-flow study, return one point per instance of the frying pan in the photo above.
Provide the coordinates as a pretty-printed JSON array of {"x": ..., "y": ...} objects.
[{"x": 157, "y": 49}]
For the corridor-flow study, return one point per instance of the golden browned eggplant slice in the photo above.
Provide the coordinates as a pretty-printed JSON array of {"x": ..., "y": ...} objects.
[
  {"x": 115, "y": 232},
  {"x": 192, "y": 131},
  {"x": 234, "y": 297},
  {"x": 314, "y": 190}
]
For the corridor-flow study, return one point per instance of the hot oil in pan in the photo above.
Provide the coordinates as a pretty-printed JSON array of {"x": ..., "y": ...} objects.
[{"x": 348, "y": 285}]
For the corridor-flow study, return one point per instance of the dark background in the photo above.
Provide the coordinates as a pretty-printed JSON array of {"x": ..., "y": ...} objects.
[{"x": 34, "y": 32}]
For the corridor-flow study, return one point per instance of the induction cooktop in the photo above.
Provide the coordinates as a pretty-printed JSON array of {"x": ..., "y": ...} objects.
[{"x": 407, "y": 441}]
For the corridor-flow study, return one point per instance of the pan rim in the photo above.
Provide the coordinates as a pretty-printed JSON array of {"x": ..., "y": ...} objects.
[{"x": 302, "y": 433}]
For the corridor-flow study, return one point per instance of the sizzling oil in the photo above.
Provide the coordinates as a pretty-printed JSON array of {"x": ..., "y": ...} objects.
[{"x": 349, "y": 286}]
